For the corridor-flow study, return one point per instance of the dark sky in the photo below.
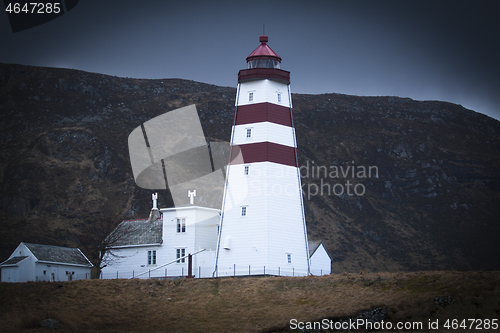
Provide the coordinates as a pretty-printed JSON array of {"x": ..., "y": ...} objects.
[{"x": 425, "y": 50}]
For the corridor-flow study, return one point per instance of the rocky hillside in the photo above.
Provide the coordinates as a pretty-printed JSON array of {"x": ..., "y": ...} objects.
[{"x": 425, "y": 191}]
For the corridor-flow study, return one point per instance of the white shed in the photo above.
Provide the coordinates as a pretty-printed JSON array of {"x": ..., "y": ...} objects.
[
  {"x": 320, "y": 261},
  {"x": 35, "y": 262}
]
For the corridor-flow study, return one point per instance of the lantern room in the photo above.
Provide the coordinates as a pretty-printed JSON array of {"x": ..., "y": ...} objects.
[{"x": 263, "y": 56}]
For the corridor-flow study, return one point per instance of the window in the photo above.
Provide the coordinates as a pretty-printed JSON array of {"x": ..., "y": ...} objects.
[
  {"x": 44, "y": 272},
  {"x": 152, "y": 257},
  {"x": 289, "y": 258},
  {"x": 247, "y": 167},
  {"x": 250, "y": 96},
  {"x": 263, "y": 63},
  {"x": 279, "y": 97},
  {"x": 179, "y": 254},
  {"x": 249, "y": 132},
  {"x": 243, "y": 210},
  {"x": 181, "y": 225}
]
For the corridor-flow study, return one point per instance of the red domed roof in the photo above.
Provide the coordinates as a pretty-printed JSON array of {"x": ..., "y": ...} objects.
[{"x": 263, "y": 51}]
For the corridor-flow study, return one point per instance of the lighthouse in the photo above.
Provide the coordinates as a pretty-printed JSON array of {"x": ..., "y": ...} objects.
[{"x": 263, "y": 229}]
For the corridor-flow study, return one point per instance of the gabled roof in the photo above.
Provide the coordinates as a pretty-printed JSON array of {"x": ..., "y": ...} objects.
[
  {"x": 138, "y": 232},
  {"x": 313, "y": 246},
  {"x": 263, "y": 51},
  {"x": 13, "y": 261},
  {"x": 58, "y": 254}
]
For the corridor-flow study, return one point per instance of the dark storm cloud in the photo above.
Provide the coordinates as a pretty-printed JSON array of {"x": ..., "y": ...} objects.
[{"x": 439, "y": 50}]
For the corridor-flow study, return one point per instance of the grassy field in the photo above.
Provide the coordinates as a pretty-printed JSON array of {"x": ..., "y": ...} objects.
[{"x": 246, "y": 304}]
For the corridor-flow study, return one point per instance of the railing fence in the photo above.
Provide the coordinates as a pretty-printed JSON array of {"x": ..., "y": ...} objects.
[
  {"x": 202, "y": 272},
  {"x": 63, "y": 277}
]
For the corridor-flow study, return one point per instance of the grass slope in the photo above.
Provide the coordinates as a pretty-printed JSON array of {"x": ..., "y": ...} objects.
[{"x": 245, "y": 304}]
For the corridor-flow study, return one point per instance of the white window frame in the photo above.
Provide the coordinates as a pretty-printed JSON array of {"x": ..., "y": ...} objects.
[
  {"x": 179, "y": 253},
  {"x": 249, "y": 132},
  {"x": 180, "y": 226},
  {"x": 151, "y": 257},
  {"x": 246, "y": 170},
  {"x": 250, "y": 96},
  {"x": 244, "y": 211},
  {"x": 289, "y": 258},
  {"x": 279, "y": 97}
]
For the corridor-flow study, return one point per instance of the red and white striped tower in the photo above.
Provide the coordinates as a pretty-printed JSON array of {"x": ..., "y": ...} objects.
[{"x": 263, "y": 228}]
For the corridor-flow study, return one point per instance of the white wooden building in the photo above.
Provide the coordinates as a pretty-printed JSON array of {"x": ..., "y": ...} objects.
[
  {"x": 35, "y": 262},
  {"x": 151, "y": 247},
  {"x": 155, "y": 247}
]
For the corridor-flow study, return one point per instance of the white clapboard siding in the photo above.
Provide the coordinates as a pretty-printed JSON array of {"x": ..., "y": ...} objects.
[
  {"x": 264, "y": 131},
  {"x": 263, "y": 91}
]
